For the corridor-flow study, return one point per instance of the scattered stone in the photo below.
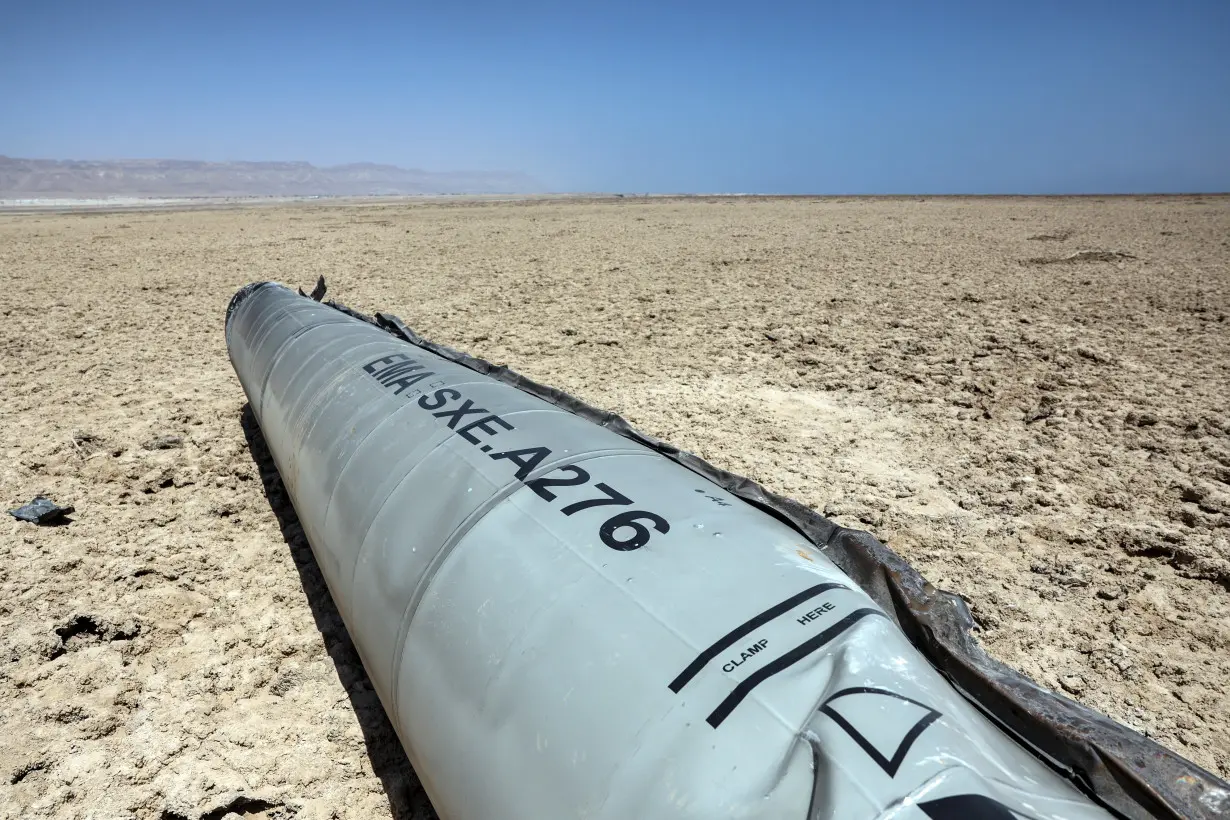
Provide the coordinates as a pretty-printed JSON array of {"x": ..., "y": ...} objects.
[
  {"x": 286, "y": 680},
  {"x": 1056, "y": 236},
  {"x": 1111, "y": 500},
  {"x": 1140, "y": 419},
  {"x": 1094, "y": 355},
  {"x": 26, "y": 769},
  {"x": 84, "y": 629},
  {"x": 1098, "y": 256},
  {"x": 41, "y": 511},
  {"x": 87, "y": 443},
  {"x": 1047, "y": 405},
  {"x": 1072, "y": 684},
  {"x": 157, "y": 479},
  {"x": 1192, "y": 494},
  {"x": 69, "y": 714},
  {"x": 232, "y": 805},
  {"x": 1081, "y": 256},
  {"x": 164, "y": 443}
]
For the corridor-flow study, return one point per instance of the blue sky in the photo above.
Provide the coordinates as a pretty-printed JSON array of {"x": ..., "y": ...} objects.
[{"x": 787, "y": 97}]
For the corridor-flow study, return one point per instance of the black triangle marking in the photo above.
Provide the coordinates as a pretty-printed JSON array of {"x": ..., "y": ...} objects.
[{"x": 890, "y": 765}]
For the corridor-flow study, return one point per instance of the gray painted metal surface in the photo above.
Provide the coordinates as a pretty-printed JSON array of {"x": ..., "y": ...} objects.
[{"x": 562, "y": 623}]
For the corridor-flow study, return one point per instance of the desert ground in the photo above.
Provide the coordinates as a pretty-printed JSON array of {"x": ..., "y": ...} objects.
[{"x": 1027, "y": 398}]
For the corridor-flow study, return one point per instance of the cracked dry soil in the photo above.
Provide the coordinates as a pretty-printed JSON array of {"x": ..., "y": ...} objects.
[{"x": 1049, "y": 440}]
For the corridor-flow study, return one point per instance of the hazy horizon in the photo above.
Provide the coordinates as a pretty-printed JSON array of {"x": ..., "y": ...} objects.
[{"x": 789, "y": 98}]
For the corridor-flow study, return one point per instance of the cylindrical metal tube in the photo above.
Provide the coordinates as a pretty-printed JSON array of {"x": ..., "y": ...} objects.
[{"x": 562, "y": 623}]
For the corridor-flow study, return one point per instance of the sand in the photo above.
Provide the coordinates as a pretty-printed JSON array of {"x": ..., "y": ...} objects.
[{"x": 1040, "y": 429}]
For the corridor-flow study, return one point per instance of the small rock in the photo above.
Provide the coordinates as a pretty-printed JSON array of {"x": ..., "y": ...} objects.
[
  {"x": 155, "y": 480},
  {"x": 164, "y": 443},
  {"x": 1111, "y": 500},
  {"x": 1055, "y": 236},
  {"x": 1095, "y": 355},
  {"x": 1072, "y": 684},
  {"x": 1140, "y": 419},
  {"x": 286, "y": 680},
  {"x": 1047, "y": 405},
  {"x": 1082, "y": 256},
  {"x": 1193, "y": 494},
  {"x": 88, "y": 442},
  {"x": 24, "y": 770}
]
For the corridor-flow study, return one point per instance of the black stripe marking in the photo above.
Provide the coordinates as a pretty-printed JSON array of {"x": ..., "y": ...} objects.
[
  {"x": 968, "y": 807},
  {"x": 783, "y": 663},
  {"x": 742, "y": 630}
]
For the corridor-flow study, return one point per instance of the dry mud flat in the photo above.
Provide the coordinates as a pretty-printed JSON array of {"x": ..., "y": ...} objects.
[{"x": 1026, "y": 398}]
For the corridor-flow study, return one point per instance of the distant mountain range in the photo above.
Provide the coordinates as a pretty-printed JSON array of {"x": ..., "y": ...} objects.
[{"x": 33, "y": 178}]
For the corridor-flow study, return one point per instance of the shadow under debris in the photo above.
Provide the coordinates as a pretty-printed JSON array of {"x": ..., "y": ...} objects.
[{"x": 407, "y": 800}]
